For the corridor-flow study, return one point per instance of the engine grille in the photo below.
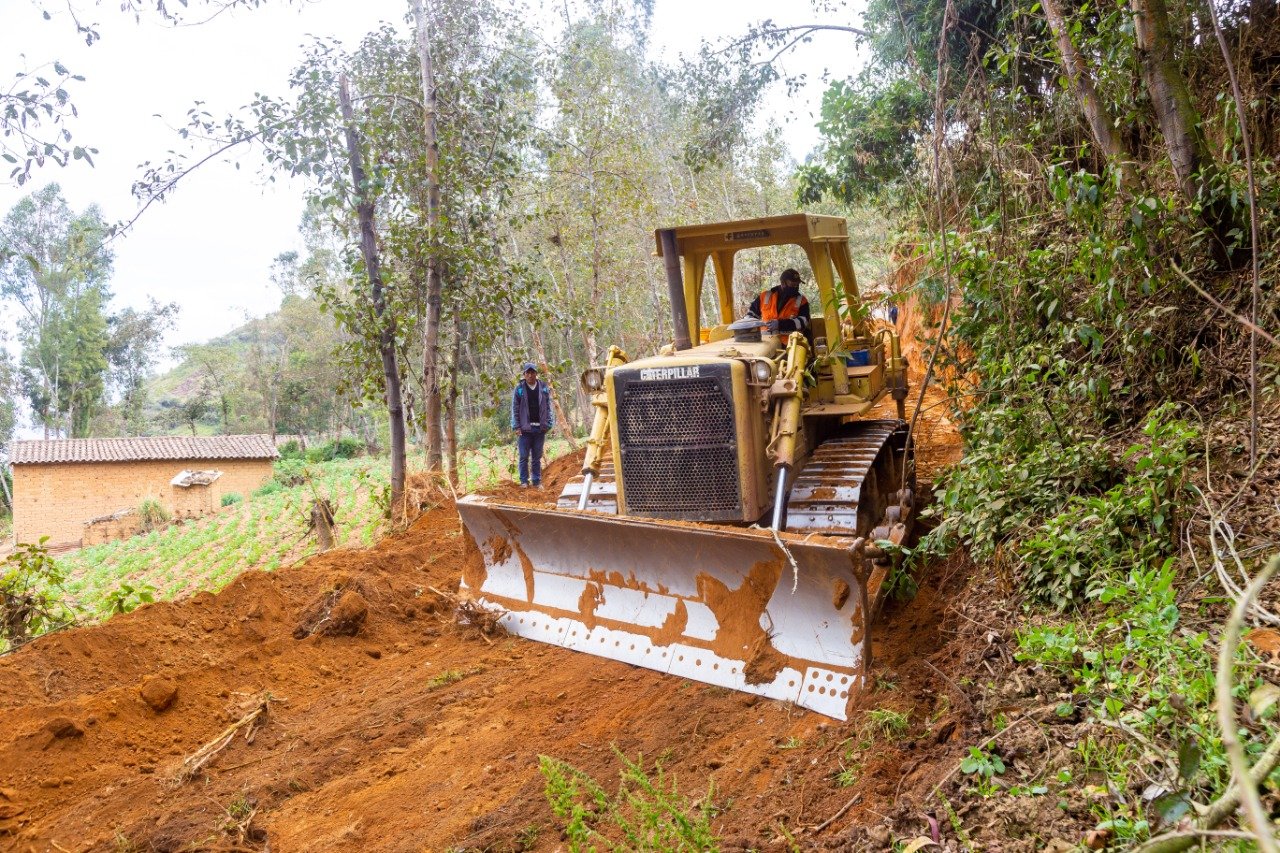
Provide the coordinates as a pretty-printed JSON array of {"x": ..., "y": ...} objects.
[{"x": 678, "y": 444}]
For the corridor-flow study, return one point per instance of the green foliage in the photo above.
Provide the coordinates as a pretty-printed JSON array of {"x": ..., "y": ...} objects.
[
  {"x": 128, "y": 597},
  {"x": 983, "y": 765},
  {"x": 152, "y": 514},
  {"x": 31, "y": 594},
  {"x": 231, "y": 498},
  {"x": 290, "y": 472},
  {"x": 888, "y": 722},
  {"x": 646, "y": 814},
  {"x": 869, "y": 129},
  {"x": 291, "y": 449},
  {"x": 1138, "y": 666},
  {"x": 270, "y": 487},
  {"x": 1096, "y": 537},
  {"x": 341, "y": 448}
]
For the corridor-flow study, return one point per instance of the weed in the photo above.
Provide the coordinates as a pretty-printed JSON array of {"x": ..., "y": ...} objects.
[
  {"x": 152, "y": 515},
  {"x": 646, "y": 814},
  {"x": 984, "y": 766},
  {"x": 847, "y": 776},
  {"x": 231, "y": 498},
  {"x": 792, "y": 742},
  {"x": 128, "y": 597},
  {"x": 451, "y": 676},
  {"x": 883, "y": 683},
  {"x": 890, "y": 724}
]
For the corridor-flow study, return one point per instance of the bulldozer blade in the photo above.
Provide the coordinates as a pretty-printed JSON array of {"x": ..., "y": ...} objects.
[{"x": 707, "y": 603}]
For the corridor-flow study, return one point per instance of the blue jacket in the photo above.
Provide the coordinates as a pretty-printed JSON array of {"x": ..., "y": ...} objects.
[{"x": 520, "y": 407}]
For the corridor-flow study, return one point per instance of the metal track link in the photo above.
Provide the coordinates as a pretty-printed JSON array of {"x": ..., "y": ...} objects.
[
  {"x": 850, "y": 485},
  {"x": 604, "y": 491}
]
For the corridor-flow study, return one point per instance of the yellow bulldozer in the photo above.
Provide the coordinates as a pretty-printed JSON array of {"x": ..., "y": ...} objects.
[{"x": 731, "y": 518}]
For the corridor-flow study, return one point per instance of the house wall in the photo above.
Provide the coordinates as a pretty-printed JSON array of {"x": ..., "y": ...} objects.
[{"x": 55, "y": 500}]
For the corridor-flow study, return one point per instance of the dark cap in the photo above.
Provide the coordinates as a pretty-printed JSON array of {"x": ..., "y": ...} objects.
[{"x": 790, "y": 277}]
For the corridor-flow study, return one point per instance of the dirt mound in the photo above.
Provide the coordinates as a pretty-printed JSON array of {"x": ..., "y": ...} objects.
[{"x": 398, "y": 729}]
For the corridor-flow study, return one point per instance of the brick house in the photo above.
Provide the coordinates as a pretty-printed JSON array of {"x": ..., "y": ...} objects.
[{"x": 60, "y": 484}]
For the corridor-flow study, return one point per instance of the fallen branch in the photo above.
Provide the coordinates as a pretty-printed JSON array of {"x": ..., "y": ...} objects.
[
  {"x": 835, "y": 817},
  {"x": 1227, "y": 710},
  {"x": 194, "y": 763},
  {"x": 1217, "y": 811}
]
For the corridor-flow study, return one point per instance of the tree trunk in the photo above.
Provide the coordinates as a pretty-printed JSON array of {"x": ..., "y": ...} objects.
[
  {"x": 1101, "y": 122},
  {"x": 1193, "y": 163},
  {"x": 451, "y": 404},
  {"x": 386, "y": 323},
  {"x": 431, "y": 333},
  {"x": 322, "y": 523},
  {"x": 4, "y": 484}
]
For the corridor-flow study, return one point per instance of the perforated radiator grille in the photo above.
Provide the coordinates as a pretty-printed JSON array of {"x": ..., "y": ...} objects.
[{"x": 679, "y": 445}]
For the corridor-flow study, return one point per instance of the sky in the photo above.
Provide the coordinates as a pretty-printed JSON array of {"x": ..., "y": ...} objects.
[{"x": 211, "y": 246}]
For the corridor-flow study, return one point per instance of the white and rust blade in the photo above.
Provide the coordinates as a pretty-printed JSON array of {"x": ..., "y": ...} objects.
[{"x": 712, "y": 604}]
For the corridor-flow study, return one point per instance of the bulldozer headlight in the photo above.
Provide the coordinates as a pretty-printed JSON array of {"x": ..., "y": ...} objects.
[
  {"x": 593, "y": 379},
  {"x": 762, "y": 371}
]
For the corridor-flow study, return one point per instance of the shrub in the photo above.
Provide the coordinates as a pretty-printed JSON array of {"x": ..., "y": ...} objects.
[
  {"x": 231, "y": 498},
  {"x": 127, "y": 598},
  {"x": 291, "y": 472},
  {"x": 28, "y": 606},
  {"x": 647, "y": 813},
  {"x": 270, "y": 487},
  {"x": 153, "y": 515},
  {"x": 341, "y": 448},
  {"x": 291, "y": 449}
]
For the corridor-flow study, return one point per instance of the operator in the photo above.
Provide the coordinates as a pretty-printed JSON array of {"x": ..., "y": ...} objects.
[
  {"x": 782, "y": 308},
  {"x": 532, "y": 418}
]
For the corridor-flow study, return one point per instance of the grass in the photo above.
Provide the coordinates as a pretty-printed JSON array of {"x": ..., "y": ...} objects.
[{"x": 262, "y": 531}]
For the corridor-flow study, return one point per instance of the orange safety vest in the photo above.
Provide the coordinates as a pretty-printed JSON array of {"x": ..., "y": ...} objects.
[{"x": 769, "y": 309}]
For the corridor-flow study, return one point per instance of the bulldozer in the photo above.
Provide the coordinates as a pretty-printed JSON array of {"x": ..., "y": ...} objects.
[{"x": 737, "y": 508}]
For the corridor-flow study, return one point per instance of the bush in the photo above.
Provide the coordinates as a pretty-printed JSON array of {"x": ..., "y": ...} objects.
[
  {"x": 342, "y": 448},
  {"x": 231, "y": 498},
  {"x": 28, "y": 606},
  {"x": 153, "y": 515},
  {"x": 270, "y": 487},
  {"x": 290, "y": 472},
  {"x": 127, "y": 598},
  {"x": 291, "y": 449}
]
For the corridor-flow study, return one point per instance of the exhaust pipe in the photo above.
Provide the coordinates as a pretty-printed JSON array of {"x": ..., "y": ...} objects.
[{"x": 675, "y": 289}]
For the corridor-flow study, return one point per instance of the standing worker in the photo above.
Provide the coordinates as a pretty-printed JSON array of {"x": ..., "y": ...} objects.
[
  {"x": 531, "y": 418},
  {"x": 782, "y": 308}
]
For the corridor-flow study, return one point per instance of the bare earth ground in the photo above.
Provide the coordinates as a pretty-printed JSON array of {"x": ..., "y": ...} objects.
[{"x": 400, "y": 730}]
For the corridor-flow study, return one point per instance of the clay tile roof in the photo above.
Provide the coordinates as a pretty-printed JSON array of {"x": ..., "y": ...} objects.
[{"x": 144, "y": 449}]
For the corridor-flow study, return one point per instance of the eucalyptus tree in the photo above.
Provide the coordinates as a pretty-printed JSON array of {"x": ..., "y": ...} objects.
[{"x": 55, "y": 274}]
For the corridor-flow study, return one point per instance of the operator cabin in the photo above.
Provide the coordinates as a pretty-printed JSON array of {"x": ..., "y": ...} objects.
[{"x": 60, "y": 485}]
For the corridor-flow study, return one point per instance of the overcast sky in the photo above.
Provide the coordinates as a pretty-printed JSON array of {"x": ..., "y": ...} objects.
[{"x": 210, "y": 247}]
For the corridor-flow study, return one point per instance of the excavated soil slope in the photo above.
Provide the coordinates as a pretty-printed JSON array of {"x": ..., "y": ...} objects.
[{"x": 390, "y": 727}]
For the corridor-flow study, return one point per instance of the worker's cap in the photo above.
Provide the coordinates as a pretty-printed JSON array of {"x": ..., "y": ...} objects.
[
  {"x": 790, "y": 277},
  {"x": 528, "y": 365}
]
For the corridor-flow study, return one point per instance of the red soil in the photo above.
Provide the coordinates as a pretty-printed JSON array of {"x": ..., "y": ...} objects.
[{"x": 389, "y": 727}]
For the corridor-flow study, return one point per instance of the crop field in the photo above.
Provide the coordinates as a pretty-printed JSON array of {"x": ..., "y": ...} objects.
[{"x": 263, "y": 531}]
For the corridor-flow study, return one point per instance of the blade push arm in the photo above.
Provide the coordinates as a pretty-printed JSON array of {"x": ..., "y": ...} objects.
[
  {"x": 599, "y": 428},
  {"x": 787, "y": 393}
]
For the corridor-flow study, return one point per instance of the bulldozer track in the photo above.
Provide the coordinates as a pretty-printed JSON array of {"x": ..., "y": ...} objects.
[{"x": 850, "y": 485}]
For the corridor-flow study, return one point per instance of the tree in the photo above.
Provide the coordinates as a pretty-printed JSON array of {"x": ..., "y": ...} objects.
[
  {"x": 132, "y": 351},
  {"x": 56, "y": 274},
  {"x": 387, "y": 335}
]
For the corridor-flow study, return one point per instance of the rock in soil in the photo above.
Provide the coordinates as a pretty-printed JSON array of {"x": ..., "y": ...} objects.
[{"x": 158, "y": 693}]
